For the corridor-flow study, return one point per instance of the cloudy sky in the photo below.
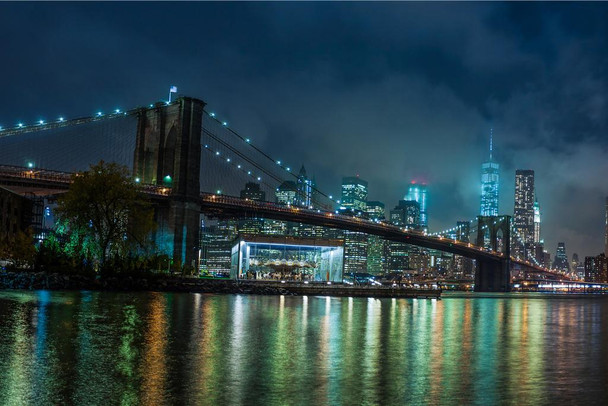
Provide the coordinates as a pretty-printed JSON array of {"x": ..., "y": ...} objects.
[{"x": 392, "y": 92}]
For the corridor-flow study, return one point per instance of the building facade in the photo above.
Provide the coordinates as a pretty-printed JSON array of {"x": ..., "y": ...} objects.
[
  {"x": 419, "y": 193},
  {"x": 304, "y": 186},
  {"x": 375, "y": 210},
  {"x": 252, "y": 191},
  {"x": 596, "y": 269},
  {"x": 406, "y": 214},
  {"x": 561, "y": 259},
  {"x": 354, "y": 194},
  {"x": 16, "y": 214},
  {"x": 287, "y": 193},
  {"x": 490, "y": 181},
  {"x": 523, "y": 213}
]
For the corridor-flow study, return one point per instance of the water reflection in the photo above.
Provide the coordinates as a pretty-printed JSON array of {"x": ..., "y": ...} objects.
[{"x": 154, "y": 348}]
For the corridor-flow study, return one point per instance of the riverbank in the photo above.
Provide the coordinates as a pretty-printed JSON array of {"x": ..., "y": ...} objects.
[{"x": 55, "y": 281}]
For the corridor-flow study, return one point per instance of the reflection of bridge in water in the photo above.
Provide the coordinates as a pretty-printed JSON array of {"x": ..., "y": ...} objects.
[{"x": 165, "y": 146}]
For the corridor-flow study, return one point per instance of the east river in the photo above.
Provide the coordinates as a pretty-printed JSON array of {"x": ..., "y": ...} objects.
[{"x": 99, "y": 348}]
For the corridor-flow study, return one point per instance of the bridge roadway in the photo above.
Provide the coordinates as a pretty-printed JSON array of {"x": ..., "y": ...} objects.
[
  {"x": 46, "y": 182},
  {"x": 222, "y": 205}
]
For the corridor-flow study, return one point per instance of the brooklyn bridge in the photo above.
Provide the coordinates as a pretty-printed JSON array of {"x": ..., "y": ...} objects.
[{"x": 191, "y": 163}]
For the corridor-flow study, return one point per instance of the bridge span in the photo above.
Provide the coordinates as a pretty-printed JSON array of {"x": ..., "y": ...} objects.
[
  {"x": 29, "y": 180},
  {"x": 166, "y": 157}
]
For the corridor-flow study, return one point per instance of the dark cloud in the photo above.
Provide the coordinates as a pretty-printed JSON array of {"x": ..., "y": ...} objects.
[{"x": 393, "y": 92}]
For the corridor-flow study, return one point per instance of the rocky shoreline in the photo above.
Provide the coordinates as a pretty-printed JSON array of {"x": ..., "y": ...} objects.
[{"x": 160, "y": 283}]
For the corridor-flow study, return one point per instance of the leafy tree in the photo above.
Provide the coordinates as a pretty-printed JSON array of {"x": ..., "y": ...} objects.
[
  {"x": 21, "y": 250},
  {"x": 106, "y": 214}
]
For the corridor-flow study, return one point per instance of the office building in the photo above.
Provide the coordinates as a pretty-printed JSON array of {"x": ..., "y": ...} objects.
[
  {"x": 561, "y": 259},
  {"x": 375, "y": 210},
  {"x": 523, "y": 215},
  {"x": 355, "y": 251},
  {"x": 606, "y": 231},
  {"x": 406, "y": 214},
  {"x": 354, "y": 195},
  {"x": 287, "y": 193},
  {"x": 536, "y": 223},
  {"x": 490, "y": 178},
  {"x": 376, "y": 260},
  {"x": 304, "y": 189},
  {"x": 596, "y": 269},
  {"x": 252, "y": 191},
  {"x": 419, "y": 193}
]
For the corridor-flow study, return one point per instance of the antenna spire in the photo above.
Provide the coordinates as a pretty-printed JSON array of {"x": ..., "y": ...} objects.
[{"x": 491, "y": 134}]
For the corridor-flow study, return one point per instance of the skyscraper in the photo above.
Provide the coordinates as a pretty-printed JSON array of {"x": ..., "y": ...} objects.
[
  {"x": 606, "y": 232},
  {"x": 489, "y": 185},
  {"x": 523, "y": 216},
  {"x": 304, "y": 189},
  {"x": 406, "y": 214},
  {"x": 287, "y": 193},
  {"x": 252, "y": 191},
  {"x": 596, "y": 269},
  {"x": 536, "y": 222},
  {"x": 375, "y": 210},
  {"x": 561, "y": 259},
  {"x": 418, "y": 193},
  {"x": 354, "y": 194}
]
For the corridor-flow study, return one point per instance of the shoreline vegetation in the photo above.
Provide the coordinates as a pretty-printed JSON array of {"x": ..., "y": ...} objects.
[{"x": 103, "y": 239}]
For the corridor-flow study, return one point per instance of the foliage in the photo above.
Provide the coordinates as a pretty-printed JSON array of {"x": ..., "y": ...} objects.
[
  {"x": 106, "y": 214},
  {"x": 21, "y": 250},
  {"x": 56, "y": 254}
]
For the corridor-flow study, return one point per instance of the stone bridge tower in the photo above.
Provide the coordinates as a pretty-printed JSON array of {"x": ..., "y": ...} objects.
[
  {"x": 494, "y": 275},
  {"x": 168, "y": 153}
]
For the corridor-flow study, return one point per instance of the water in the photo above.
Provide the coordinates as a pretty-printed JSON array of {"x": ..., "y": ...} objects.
[{"x": 98, "y": 348}]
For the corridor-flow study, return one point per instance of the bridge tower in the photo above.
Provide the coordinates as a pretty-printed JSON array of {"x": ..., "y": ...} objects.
[
  {"x": 168, "y": 153},
  {"x": 494, "y": 275}
]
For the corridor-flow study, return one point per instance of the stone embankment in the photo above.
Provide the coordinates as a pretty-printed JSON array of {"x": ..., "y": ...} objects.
[{"x": 37, "y": 281}]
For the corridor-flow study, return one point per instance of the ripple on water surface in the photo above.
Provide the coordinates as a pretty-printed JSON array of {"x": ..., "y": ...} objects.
[{"x": 98, "y": 348}]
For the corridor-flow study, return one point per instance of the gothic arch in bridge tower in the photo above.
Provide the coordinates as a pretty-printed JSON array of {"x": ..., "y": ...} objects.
[
  {"x": 496, "y": 227},
  {"x": 168, "y": 142},
  {"x": 168, "y": 156},
  {"x": 494, "y": 276}
]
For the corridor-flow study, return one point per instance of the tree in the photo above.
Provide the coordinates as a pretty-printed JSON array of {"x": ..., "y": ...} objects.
[
  {"x": 106, "y": 212},
  {"x": 21, "y": 250}
]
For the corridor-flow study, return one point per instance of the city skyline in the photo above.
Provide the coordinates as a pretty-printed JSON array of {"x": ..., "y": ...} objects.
[{"x": 417, "y": 107}]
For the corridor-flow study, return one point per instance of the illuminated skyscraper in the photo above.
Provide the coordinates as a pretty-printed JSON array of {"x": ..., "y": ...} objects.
[
  {"x": 418, "y": 193},
  {"x": 606, "y": 232},
  {"x": 489, "y": 185},
  {"x": 304, "y": 189},
  {"x": 287, "y": 193},
  {"x": 523, "y": 216},
  {"x": 406, "y": 214},
  {"x": 596, "y": 269},
  {"x": 354, "y": 194},
  {"x": 536, "y": 222},
  {"x": 375, "y": 210},
  {"x": 561, "y": 259}
]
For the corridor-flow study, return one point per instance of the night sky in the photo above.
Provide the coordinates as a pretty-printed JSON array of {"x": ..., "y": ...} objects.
[{"x": 393, "y": 92}]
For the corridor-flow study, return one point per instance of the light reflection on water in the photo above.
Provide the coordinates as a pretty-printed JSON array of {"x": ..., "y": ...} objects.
[{"x": 161, "y": 348}]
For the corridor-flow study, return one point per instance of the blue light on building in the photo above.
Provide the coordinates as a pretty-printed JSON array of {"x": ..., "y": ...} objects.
[
  {"x": 418, "y": 193},
  {"x": 489, "y": 185}
]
